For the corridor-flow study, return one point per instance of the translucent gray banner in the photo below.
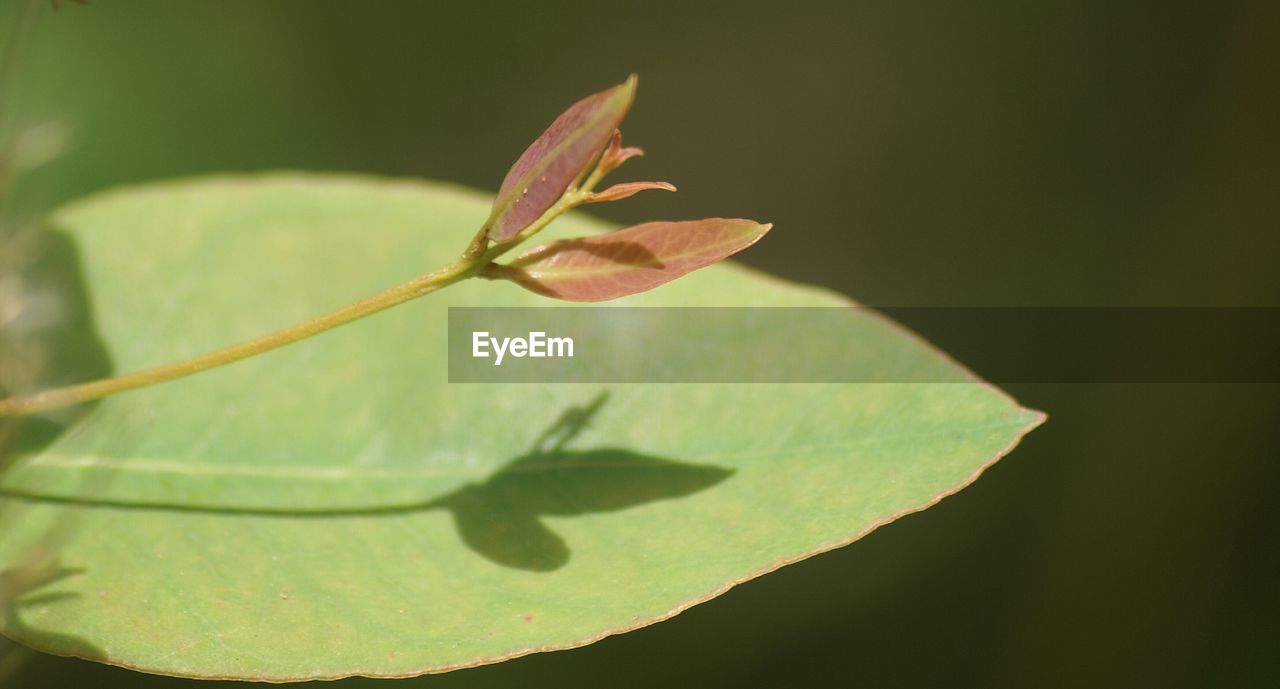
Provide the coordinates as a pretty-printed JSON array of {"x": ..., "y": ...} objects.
[{"x": 603, "y": 344}]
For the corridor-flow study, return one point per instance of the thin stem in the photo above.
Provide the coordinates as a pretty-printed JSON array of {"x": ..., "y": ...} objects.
[
  {"x": 468, "y": 266},
  {"x": 76, "y": 394},
  {"x": 596, "y": 175}
]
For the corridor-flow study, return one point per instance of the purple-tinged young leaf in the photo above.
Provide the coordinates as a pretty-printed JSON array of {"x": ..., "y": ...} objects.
[
  {"x": 628, "y": 261},
  {"x": 625, "y": 189},
  {"x": 556, "y": 158},
  {"x": 616, "y": 155}
]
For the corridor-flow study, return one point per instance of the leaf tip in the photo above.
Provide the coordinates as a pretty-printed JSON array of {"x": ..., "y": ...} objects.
[
  {"x": 627, "y": 189},
  {"x": 625, "y": 93},
  {"x": 754, "y": 229}
]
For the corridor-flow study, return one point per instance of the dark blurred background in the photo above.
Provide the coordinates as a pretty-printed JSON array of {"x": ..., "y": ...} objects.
[{"x": 909, "y": 153}]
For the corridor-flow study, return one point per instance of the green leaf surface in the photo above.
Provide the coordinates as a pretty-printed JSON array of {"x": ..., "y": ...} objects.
[{"x": 337, "y": 508}]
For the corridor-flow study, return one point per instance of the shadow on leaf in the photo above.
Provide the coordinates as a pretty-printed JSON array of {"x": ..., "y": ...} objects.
[
  {"x": 501, "y": 517},
  {"x": 616, "y": 251},
  {"x": 18, "y": 586},
  {"x": 48, "y": 336}
]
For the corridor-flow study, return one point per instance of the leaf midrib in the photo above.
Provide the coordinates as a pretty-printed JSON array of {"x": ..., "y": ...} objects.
[{"x": 175, "y": 466}]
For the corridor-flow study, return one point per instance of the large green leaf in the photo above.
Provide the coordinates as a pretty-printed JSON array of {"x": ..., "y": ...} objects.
[{"x": 336, "y": 508}]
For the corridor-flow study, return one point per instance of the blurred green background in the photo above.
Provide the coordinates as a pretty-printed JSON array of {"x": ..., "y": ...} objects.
[{"x": 909, "y": 153}]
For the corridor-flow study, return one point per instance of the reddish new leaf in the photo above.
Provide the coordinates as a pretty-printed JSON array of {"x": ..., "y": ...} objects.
[
  {"x": 558, "y": 157},
  {"x": 628, "y": 261},
  {"x": 616, "y": 154},
  {"x": 626, "y": 189}
]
